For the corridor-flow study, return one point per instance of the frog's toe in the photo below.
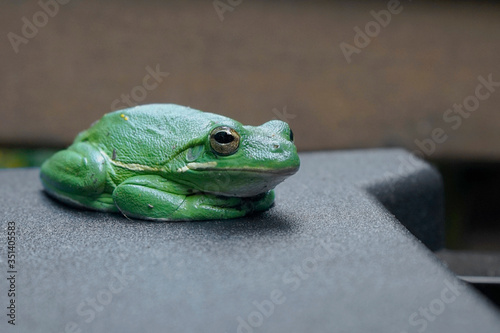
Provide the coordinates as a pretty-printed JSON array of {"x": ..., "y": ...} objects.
[{"x": 262, "y": 202}]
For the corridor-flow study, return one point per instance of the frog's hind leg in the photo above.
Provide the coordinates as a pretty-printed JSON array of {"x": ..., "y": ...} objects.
[
  {"x": 154, "y": 198},
  {"x": 77, "y": 176}
]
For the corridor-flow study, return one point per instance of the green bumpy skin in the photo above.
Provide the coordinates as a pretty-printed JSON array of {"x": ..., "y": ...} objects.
[{"x": 166, "y": 162}]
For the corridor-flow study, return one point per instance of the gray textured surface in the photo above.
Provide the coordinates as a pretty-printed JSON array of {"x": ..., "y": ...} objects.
[{"x": 203, "y": 276}]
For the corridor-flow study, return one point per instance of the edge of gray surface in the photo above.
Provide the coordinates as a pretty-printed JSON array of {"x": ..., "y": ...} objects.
[{"x": 369, "y": 273}]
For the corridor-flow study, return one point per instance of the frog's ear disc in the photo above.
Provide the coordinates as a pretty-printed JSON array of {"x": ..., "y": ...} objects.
[{"x": 224, "y": 140}]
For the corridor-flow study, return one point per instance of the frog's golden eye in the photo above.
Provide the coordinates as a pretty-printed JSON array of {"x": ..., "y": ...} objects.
[{"x": 224, "y": 140}]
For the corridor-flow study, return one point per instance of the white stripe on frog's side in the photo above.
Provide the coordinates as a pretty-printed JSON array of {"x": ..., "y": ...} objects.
[
  {"x": 197, "y": 166},
  {"x": 133, "y": 166},
  {"x": 141, "y": 167},
  {"x": 128, "y": 166}
]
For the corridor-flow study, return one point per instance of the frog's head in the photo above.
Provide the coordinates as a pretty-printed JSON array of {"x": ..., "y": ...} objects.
[{"x": 236, "y": 160}]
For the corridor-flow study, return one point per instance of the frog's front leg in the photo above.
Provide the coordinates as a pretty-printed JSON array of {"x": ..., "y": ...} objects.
[
  {"x": 155, "y": 198},
  {"x": 77, "y": 176}
]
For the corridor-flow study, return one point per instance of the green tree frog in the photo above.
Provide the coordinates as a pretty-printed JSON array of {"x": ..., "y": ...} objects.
[{"x": 166, "y": 162}]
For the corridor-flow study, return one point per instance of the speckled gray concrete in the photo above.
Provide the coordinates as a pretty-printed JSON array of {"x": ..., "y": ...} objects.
[{"x": 329, "y": 254}]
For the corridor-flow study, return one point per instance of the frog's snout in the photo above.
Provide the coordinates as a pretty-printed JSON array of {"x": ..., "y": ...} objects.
[
  {"x": 285, "y": 157},
  {"x": 279, "y": 139},
  {"x": 278, "y": 127}
]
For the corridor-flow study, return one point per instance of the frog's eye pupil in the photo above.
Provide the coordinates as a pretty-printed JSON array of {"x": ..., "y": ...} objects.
[
  {"x": 223, "y": 137},
  {"x": 224, "y": 140},
  {"x": 291, "y": 135}
]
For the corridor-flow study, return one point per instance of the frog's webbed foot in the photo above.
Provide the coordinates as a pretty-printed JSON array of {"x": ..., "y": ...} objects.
[
  {"x": 208, "y": 207},
  {"x": 77, "y": 176},
  {"x": 155, "y": 198}
]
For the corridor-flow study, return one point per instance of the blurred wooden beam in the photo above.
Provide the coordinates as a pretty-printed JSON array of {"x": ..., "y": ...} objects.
[{"x": 263, "y": 60}]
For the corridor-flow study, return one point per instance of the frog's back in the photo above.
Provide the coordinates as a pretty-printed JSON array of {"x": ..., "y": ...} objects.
[{"x": 154, "y": 133}]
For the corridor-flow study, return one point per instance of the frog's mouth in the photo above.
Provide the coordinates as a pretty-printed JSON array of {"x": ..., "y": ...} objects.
[
  {"x": 212, "y": 166},
  {"x": 239, "y": 181}
]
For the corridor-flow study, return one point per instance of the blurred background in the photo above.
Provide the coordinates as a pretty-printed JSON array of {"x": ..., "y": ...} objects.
[{"x": 423, "y": 75}]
